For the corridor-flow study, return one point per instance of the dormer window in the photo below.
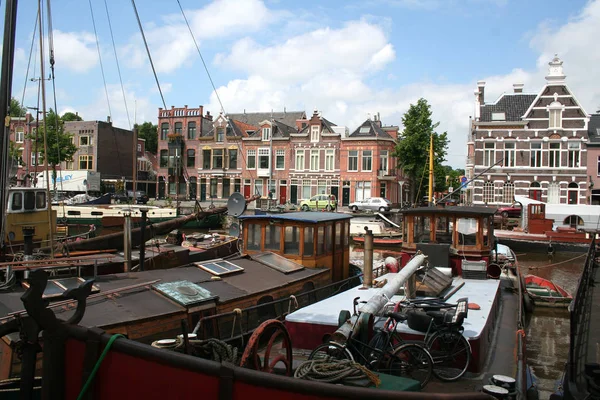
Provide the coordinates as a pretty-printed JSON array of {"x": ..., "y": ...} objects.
[
  {"x": 266, "y": 134},
  {"x": 555, "y": 110},
  {"x": 314, "y": 133},
  {"x": 498, "y": 116}
]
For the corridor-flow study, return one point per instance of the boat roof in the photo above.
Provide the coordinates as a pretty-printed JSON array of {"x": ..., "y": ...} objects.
[
  {"x": 452, "y": 210},
  {"x": 309, "y": 216},
  {"x": 482, "y": 292}
]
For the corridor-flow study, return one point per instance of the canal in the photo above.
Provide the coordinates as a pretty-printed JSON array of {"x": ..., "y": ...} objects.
[{"x": 547, "y": 328}]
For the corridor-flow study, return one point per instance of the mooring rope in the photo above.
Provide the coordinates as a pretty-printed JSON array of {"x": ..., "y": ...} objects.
[
  {"x": 558, "y": 263},
  {"x": 340, "y": 371},
  {"x": 210, "y": 349}
]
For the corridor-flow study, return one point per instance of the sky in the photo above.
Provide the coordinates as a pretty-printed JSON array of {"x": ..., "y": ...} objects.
[{"x": 348, "y": 59}]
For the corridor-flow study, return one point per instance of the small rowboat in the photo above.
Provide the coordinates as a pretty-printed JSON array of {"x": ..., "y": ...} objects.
[{"x": 545, "y": 293}]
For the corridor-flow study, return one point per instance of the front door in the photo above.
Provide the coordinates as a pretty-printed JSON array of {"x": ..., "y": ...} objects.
[
  {"x": 202, "y": 189},
  {"x": 282, "y": 194},
  {"x": 294, "y": 194},
  {"x": 247, "y": 191},
  {"x": 193, "y": 188},
  {"x": 335, "y": 192},
  {"x": 345, "y": 196}
]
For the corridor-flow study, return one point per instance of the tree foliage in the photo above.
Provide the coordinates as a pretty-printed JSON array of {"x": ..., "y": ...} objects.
[
  {"x": 148, "y": 131},
  {"x": 60, "y": 145},
  {"x": 71, "y": 116},
  {"x": 16, "y": 109},
  {"x": 412, "y": 149}
]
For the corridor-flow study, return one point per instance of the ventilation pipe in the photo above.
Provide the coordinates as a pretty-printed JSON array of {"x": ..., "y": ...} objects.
[{"x": 368, "y": 260}]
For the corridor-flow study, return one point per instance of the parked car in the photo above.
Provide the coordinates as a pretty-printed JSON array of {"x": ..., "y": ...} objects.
[
  {"x": 512, "y": 211},
  {"x": 127, "y": 197},
  {"x": 373, "y": 203},
  {"x": 319, "y": 202}
]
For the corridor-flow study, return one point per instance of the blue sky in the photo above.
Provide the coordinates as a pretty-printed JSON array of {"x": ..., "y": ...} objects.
[{"x": 349, "y": 59}]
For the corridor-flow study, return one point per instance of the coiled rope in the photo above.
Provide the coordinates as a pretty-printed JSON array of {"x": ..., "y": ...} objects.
[
  {"x": 342, "y": 371},
  {"x": 209, "y": 349}
]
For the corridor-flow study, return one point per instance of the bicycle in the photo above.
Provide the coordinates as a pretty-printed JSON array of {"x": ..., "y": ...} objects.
[
  {"x": 449, "y": 349},
  {"x": 380, "y": 355}
]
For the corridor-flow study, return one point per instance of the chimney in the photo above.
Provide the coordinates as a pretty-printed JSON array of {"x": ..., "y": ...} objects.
[
  {"x": 208, "y": 116},
  {"x": 481, "y": 89},
  {"x": 518, "y": 87},
  {"x": 108, "y": 119}
]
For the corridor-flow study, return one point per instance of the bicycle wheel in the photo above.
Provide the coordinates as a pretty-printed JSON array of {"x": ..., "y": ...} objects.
[
  {"x": 330, "y": 351},
  {"x": 451, "y": 355},
  {"x": 411, "y": 361}
]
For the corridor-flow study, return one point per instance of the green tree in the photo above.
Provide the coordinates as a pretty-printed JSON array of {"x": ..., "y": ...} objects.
[
  {"x": 412, "y": 149},
  {"x": 60, "y": 145},
  {"x": 148, "y": 131},
  {"x": 16, "y": 109},
  {"x": 70, "y": 116}
]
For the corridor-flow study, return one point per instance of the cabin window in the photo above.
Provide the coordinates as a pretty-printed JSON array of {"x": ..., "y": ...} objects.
[
  {"x": 71, "y": 212},
  {"x": 17, "y": 201},
  {"x": 443, "y": 230},
  {"x": 486, "y": 231},
  {"x": 320, "y": 240},
  {"x": 339, "y": 227},
  {"x": 291, "y": 243},
  {"x": 272, "y": 237},
  {"x": 40, "y": 200},
  {"x": 467, "y": 231},
  {"x": 421, "y": 229},
  {"x": 329, "y": 238},
  {"x": 98, "y": 213},
  {"x": 309, "y": 241},
  {"x": 346, "y": 234},
  {"x": 253, "y": 237},
  {"x": 29, "y": 203}
]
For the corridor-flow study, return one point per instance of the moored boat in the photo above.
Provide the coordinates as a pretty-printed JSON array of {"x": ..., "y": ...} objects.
[
  {"x": 383, "y": 235},
  {"x": 546, "y": 293}
]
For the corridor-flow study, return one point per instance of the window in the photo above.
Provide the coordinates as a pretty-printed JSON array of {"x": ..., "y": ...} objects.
[
  {"x": 488, "y": 154},
  {"x": 19, "y": 134},
  {"x": 508, "y": 194},
  {"x": 139, "y": 148},
  {"x": 299, "y": 160},
  {"x": 35, "y": 158},
  {"x": 383, "y": 161},
  {"x": 291, "y": 241},
  {"x": 178, "y": 128},
  {"x": 213, "y": 187},
  {"x": 206, "y": 159},
  {"x": 280, "y": 159},
  {"x": 306, "y": 188},
  {"x": 264, "y": 158},
  {"x": 164, "y": 130},
  {"x": 68, "y": 165},
  {"x": 85, "y": 141},
  {"x": 314, "y": 160},
  {"x": 536, "y": 155},
  {"x": 220, "y": 135},
  {"x": 309, "y": 241},
  {"x": 322, "y": 188},
  {"x": 254, "y": 236},
  {"x": 314, "y": 133},
  {"x": 272, "y": 237},
  {"x": 17, "y": 201},
  {"x": 573, "y": 154},
  {"x": 554, "y": 155},
  {"x": 367, "y": 156},
  {"x": 191, "y": 130},
  {"x": 233, "y": 158},
  {"x": 217, "y": 161},
  {"x": 320, "y": 240},
  {"x": 164, "y": 158},
  {"x": 86, "y": 162},
  {"x": 498, "y": 116},
  {"x": 266, "y": 134},
  {"x": 488, "y": 192},
  {"x": 272, "y": 184},
  {"x": 598, "y": 170},
  {"x": 555, "y": 115},
  {"x": 191, "y": 158},
  {"x": 226, "y": 188},
  {"x": 329, "y": 238},
  {"x": 509, "y": 154},
  {"x": 40, "y": 200},
  {"x": 353, "y": 160},
  {"x": 329, "y": 159},
  {"x": 553, "y": 193},
  {"x": 573, "y": 193},
  {"x": 258, "y": 187},
  {"x": 251, "y": 159}
]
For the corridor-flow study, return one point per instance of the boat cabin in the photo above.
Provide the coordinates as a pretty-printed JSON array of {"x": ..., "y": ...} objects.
[
  {"x": 27, "y": 207},
  {"x": 449, "y": 236},
  {"x": 313, "y": 239}
]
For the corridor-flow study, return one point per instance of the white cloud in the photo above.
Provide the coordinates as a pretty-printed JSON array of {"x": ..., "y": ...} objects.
[{"x": 75, "y": 51}]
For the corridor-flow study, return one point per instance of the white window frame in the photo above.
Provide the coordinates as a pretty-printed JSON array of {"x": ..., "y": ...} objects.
[
  {"x": 314, "y": 159},
  {"x": 535, "y": 159},
  {"x": 554, "y": 155},
  {"x": 508, "y": 192},
  {"x": 574, "y": 154},
  {"x": 19, "y": 134},
  {"x": 353, "y": 156},
  {"x": 555, "y": 110},
  {"x": 264, "y": 152},
  {"x": 329, "y": 159},
  {"x": 383, "y": 160},
  {"x": 598, "y": 170},
  {"x": 306, "y": 189},
  {"x": 300, "y": 162},
  {"x": 266, "y": 134},
  {"x": 89, "y": 141},
  {"x": 314, "y": 133},
  {"x": 279, "y": 156},
  {"x": 34, "y": 159},
  {"x": 367, "y": 159},
  {"x": 553, "y": 193},
  {"x": 488, "y": 192},
  {"x": 489, "y": 154},
  {"x": 510, "y": 153},
  {"x": 251, "y": 154}
]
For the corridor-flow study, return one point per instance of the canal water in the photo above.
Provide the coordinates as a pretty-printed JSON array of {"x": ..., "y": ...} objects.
[{"x": 548, "y": 328}]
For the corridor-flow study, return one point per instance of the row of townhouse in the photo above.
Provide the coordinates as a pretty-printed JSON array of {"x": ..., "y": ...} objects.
[
  {"x": 286, "y": 155},
  {"x": 542, "y": 145}
]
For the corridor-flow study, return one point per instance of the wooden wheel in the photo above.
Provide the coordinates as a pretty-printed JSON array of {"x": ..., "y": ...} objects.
[{"x": 272, "y": 337}]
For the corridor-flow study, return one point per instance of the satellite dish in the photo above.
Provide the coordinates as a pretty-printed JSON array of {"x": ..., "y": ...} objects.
[
  {"x": 234, "y": 230},
  {"x": 236, "y": 205}
]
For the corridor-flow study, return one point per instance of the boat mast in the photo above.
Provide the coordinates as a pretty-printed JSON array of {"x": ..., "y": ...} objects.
[
  {"x": 431, "y": 170},
  {"x": 43, "y": 83},
  {"x": 6, "y": 74}
]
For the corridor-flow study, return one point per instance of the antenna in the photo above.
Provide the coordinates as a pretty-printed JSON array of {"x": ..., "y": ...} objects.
[{"x": 236, "y": 204}]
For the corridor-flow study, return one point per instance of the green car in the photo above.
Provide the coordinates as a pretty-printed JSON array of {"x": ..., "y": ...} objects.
[{"x": 319, "y": 202}]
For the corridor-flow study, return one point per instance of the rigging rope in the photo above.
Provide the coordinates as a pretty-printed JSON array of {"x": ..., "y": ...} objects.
[
  {"x": 100, "y": 59},
  {"x": 338, "y": 371},
  {"x": 29, "y": 61}
]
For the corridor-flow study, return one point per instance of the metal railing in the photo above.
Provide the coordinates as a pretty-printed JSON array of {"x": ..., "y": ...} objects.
[{"x": 580, "y": 316}]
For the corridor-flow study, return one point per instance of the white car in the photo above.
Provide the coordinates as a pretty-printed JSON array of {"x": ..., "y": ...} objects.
[{"x": 373, "y": 203}]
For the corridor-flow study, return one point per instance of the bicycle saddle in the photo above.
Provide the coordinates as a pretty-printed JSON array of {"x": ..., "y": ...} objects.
[{"x": 396, "y": 316}]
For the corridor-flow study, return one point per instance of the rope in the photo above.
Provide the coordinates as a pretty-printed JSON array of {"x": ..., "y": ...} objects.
[
  {"x": 100, "y": 59},
  {"x": 341, "y": 371},
  {"x": 558, "y": 263},
  {"x": 209, "y": 349},
  {"x": 90, "y": 378}
]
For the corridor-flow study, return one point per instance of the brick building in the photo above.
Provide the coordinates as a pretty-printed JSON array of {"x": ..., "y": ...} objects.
[
  {"x": 593, "y": 156},
  {"x": 530, "y": 145}
]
